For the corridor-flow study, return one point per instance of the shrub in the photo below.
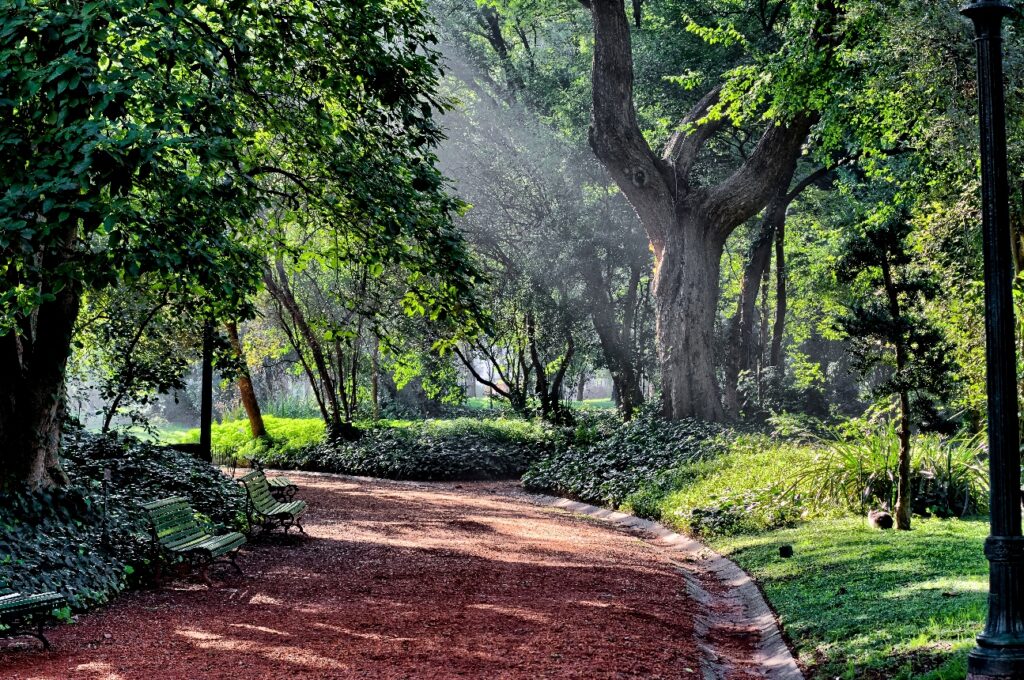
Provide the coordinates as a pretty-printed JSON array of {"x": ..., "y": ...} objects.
[
  {"x": 857, "y": 469},
  {"x": 231, "y": 441},
  {"x": 463, "y": 448},
  {"x": 749, "y": 488},
  {"x": 608, "y": 465},
  {"x": 55, "y": 540}
]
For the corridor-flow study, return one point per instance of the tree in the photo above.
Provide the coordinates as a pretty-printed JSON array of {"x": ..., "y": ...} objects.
[
  {"x": 888, "y": 329},
  {"x": 148, "y": 137},
  {"x": 686, "y": 223}
]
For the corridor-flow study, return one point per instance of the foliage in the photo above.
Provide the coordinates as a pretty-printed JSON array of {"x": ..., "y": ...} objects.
[
  {"x": 231, "y": 441},
  {"x": 856, "y": 469},
  {"x": 742, "y": 490},
  {"x": 54, "y": 540},
  {"x": 862, "y": 604},
  {"x": 462, "y": 448},
  {"x": 607, "y": 468}
]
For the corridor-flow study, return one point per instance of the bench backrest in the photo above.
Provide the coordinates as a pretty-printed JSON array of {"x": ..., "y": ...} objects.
[
  {"x": 173, "y": 521},
  {"x": 256, "y": 486}
]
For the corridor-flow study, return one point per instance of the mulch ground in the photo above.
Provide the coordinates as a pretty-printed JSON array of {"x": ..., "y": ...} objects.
[{"x": 401, "y": 581}]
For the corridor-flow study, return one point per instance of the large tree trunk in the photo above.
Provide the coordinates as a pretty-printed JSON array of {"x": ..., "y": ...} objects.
[
  {"x": 33, "y": 361},
  {"x": 245, "y": 388},
  {"x": 686, "y": 295}
]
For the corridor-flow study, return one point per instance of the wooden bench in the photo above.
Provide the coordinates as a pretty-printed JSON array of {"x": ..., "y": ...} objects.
[
  {"x": 176, "y": 531},
  {"x": 19, "y": 613},
  {"x": 266, "y": 512}
]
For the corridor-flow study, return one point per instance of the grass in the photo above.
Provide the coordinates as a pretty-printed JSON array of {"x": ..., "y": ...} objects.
[
  {"x": 862, "y": 603},
  {"x": 856, "y": 602}
]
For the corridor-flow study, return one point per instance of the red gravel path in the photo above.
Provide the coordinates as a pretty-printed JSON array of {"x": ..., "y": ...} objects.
[{"x": 401, "y": 581}]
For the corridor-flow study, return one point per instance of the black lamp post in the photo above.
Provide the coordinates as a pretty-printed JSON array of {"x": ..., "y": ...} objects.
[{"x": 999, "y": 654}]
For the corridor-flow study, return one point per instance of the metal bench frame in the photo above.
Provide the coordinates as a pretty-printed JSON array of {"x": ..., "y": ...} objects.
[{"x": 34, "y": 609}]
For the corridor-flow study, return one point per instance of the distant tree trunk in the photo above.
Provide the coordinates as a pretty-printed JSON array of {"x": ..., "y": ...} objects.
[
  {"x": 581, "y": 387},
  {"x": 245, "y": 388},
  {"x": 740, "y": 348},
  {"x": 779, "y": 329},
  {"x": 615, "y": 338},
  {"x": 280, "y": 290},
  {"x": 903, "y": 491},
  {"x": 206, "y": 396},
  {"x": 375, "y": 378}
]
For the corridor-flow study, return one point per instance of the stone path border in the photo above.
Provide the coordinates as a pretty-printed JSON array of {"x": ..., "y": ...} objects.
[{"x": 773, "y": 656}]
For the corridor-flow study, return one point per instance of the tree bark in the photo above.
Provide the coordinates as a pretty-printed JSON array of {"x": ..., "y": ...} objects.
[
  {"x": 245, "y": 388},
  {"x": 740, "y": 348},
  {"x": 33, "y": 361},
  {"x": 615, "y": 338},
  {"x": 281, "y": 291}
]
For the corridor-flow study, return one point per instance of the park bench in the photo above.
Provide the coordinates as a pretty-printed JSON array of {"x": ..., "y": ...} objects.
[
  {"x": 281, "y": 488},
  {"x": 176, "y": 530},
  {"x": 23, "y": 615},
  {"x": 264, "y": 511}
]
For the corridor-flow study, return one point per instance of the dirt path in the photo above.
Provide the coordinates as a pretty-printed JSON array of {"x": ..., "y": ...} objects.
[{"x": 402, "y": 581}]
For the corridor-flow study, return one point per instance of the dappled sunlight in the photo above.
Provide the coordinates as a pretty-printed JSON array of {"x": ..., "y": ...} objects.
[
  {"x": 517, "y": 612},
  {"x": 100, "y": 669},
  {"x": 291, "y": 654}
]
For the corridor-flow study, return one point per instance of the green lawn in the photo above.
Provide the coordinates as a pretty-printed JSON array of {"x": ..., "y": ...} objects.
[{"x": 862, "y": 603}]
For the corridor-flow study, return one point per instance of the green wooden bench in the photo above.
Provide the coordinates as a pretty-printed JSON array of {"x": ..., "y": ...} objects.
[
  {"x": 264, "y": 511},
  {"x": 176, "y": 531},
  {"x": 281, "y": 488},
  {"x": 24, "y": 615}
]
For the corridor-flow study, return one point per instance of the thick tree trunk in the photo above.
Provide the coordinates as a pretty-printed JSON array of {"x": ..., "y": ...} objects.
[
  {"x": 33, "y": 362},
  {"x": 686, "y": 296},
  {"x": 245, "y": 388},
  {"x": 686, "y": 223}
]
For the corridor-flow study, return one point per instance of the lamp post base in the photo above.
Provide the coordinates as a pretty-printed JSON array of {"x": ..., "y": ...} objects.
[{"x": 985, "y": 663}]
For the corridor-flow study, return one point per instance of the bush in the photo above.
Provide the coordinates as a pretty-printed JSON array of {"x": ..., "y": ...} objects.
[
  {"x": 607, "y": 465},
  {"x": 55, "y": 540},
  {"x": 857, "y": 469},
  {"x": 231, "y": 441},
  {"x": 463, "y": 448},
  {"x": 749, "y": 488}
]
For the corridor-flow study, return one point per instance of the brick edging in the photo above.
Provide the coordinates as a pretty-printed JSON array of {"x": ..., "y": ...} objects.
[{"x": 772, "y": 654}]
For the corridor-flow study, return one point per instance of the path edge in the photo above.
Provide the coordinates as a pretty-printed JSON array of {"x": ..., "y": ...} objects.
[{"x": 773, "y": 654}]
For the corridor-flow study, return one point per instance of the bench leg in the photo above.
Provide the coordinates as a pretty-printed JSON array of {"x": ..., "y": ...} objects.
[
  {"x": 204, "y": 573},
  {"x": 42, "y": 638},
  {"x": 231, "y": 559}
]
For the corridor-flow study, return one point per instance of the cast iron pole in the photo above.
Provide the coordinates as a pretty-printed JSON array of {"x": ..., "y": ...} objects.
[{"x": 999, "y": 654}]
